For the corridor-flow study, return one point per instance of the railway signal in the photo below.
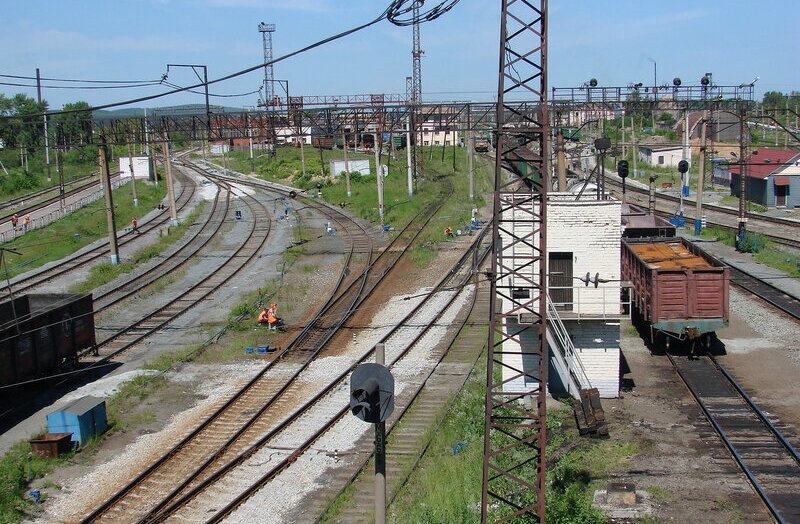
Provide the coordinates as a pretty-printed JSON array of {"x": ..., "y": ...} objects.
[
  {"x": 372, "y": 400},
  {"x": 372, "y": 393},
  {"x": 622, "y": 171}
]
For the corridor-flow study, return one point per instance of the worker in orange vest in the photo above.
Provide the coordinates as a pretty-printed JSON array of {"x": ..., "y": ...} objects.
[
  {"x": 272, "y": 320},
  {"x": 263, "y": 317},
  {"x": 26, "y": 222},
  {"x": 134, "y": 225},
  {"x": 14, "y": 221}
]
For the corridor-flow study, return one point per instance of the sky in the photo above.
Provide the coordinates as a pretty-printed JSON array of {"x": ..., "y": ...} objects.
[{"x": 618, "y": 42}]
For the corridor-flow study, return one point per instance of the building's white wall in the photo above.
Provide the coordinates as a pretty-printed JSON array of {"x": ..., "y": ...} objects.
[
  {"x": 597, "y": 343},
  {"x": 591, "y": 230},
  {"x": 671, "y": 156},
  {"x": 360, "y": 165},
  {"x": 141, "y": 167}
]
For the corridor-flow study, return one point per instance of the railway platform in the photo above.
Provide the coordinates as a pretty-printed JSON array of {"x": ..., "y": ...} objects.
[{"x": 745, "y": 262}]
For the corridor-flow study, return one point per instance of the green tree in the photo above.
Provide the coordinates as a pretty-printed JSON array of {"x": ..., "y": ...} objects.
[
  {"x": 20, "y": 124},
  {"x": 774, "y": 99},
  {"x": 74, "y": 125}
]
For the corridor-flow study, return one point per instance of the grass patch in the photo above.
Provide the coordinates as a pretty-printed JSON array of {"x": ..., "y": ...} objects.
[
  {"x": 76, "y": 230},
  {"x": 659, "y": 494},
  {"x": 105, "y": 272},
  {"x": 764, "y": 251},
  {"x": 18, "y": 468},
  {"x": 733, "y": 201}
]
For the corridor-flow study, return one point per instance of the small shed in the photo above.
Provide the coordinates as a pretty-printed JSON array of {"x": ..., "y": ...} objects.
[{"x": 84, "y": 418}]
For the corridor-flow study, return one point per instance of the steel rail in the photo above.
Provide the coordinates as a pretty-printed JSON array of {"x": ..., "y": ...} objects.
[
  {"x": 445, "y": 282},
  {"x": 319, "y": 343},
  {"x": 309, "y": 355},
  {"x": 183, "y": 255},
  {"x": 163, "y": 316},
  {"x": 81, "y": 258},
  {"x": 52, "y": 200},
  {"x": 392, "y": 494},
  {"x": 139, "y": 479},
  {"x": 729, "y": 444}
]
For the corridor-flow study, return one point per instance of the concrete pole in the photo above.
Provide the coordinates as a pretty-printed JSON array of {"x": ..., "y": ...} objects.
[
  {"x": 379, "y": 176},
  {"x": 410, "y": 168},
  {"x": 561, "y": 162},
  {"x": 635, "y": 148},
  {"x": 252, "y": 160},
  {"x": 470, "y": 153},
  {"x": 624, "y": 147},
  {"x": 47, "y": 139},
  {"x": 380, "y": 453},
  {"x": 346, "y": 165},
  {"x": 173, "y": 214},
  {"x": 698, "y": 223},
  {"x": 302, "y": 152},
  {"x": 471, "y": 164},
  {"x": 105, "y": 178},
  {"x": 742, "y": 230},
  {"x": 133, "y": 178}
]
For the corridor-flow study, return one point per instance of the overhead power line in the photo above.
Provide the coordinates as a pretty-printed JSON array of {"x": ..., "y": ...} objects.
[{"x": 396, "y": 13}]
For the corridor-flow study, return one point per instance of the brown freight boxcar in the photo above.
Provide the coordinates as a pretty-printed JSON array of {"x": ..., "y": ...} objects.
[
  {"x": 676, "y": 289},
  {"x": 41, "y": 334}
]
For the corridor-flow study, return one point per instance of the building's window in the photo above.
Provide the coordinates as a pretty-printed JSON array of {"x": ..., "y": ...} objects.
[
  {"x": 426, "y": 143},
  {"x": 660, "y": 160},
  {"x": 437, "y": 142},
  {"x": 447, "y": 142}
]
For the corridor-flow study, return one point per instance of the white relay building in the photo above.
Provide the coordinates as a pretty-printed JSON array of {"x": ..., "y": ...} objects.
[
  {"x": 583, "y": 281},
  {"x": 141, "y": 167}
]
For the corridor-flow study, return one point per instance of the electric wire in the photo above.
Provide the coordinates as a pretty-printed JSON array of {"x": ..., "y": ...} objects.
[
  {"x": 73, "y": 80},
  {"x": 396, "y": 13}
]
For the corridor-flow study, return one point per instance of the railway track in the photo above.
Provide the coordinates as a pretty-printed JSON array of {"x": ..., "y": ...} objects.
[
  {"x": 296, "y": 440},
  {"x": 82, "y": 183},
  {"x": 29, "y": 281},
  {"x": 205, "y": 285},
  {"x": 236, "y": 422},
  {"x": 716, "y": 215},
  {"x": 766, "y": 457}
]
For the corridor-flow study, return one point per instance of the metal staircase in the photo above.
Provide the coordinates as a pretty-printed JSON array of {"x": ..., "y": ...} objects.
[{"x": 566, "y": 360}]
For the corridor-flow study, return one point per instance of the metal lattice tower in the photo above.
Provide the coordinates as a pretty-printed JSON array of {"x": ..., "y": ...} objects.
[
  {"x": 266, "y": 31},
  {"x": 516, "y": 376},
  {"x": 416, "y": 55}
]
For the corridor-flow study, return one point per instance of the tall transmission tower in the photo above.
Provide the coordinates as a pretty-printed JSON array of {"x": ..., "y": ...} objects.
[
  {"x": 516, "y": 377},
  {"x": 416, "y": 54},
  {"x": 266, "y": 31}
]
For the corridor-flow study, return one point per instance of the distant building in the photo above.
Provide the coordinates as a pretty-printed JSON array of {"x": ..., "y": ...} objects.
[
  {"x": 773, "y": 177},
  {"x": 657, "y": 151}
]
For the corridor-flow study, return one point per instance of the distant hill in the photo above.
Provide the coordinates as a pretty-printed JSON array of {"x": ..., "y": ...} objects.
[{"x": 187, "y": 109}]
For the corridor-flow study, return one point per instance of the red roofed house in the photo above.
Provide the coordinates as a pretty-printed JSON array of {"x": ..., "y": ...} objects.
[{"x": 773, "y": 177}]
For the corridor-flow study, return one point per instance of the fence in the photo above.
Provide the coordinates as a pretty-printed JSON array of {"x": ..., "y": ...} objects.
[{"x": 52, "y": 216}]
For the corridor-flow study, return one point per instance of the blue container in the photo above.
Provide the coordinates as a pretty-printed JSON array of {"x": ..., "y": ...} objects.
[
  {"x": 84, "y": 418},
  {"x": 262, "y": 350},
  {"x": 249, "y": 349}
]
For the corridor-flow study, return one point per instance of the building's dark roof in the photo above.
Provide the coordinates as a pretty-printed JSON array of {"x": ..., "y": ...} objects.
[{"x": 765, "y": 161}]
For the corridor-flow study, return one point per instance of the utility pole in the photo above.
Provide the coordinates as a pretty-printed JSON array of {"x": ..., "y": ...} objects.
[
  {"x": 173, "y": 214},
  {"x": 410, "y": 165},
  {"x": 133, "y": 175},
  {"x": 742, "y": 230},
  {"x": 105, "y": 177},
  {"x": 379, "y": 176},
  {"x": 698, "y": 219},
  {"x": 46, "y": 137},
  {"x": 635, "y": 148},
  {"x": 561, "y": 163},
  {"x": 59, "y": 167},
  {"x": 470, "y": 156},
  {"x": 346, "y": 164},
  {"x": 252, "y": 160},
  {"x": 380, "y": 455}
]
